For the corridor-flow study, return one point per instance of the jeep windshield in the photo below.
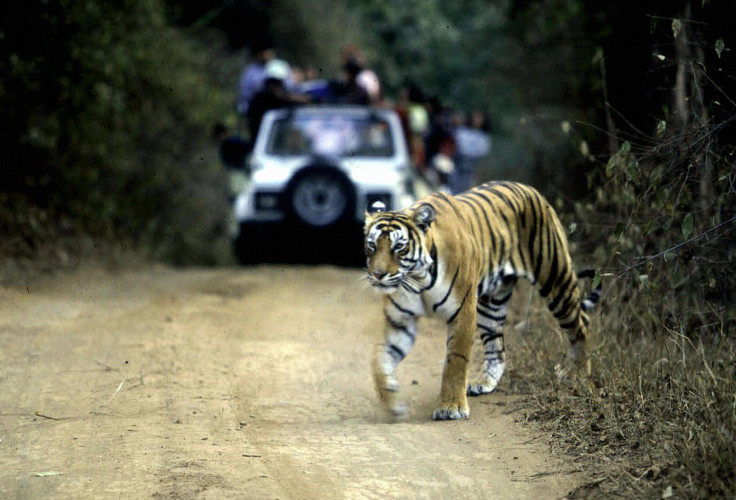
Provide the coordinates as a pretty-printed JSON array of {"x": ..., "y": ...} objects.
[{"x": 333, "y": 135}]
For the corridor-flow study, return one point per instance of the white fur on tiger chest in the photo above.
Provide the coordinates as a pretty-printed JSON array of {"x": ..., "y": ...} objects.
[{"x": 442, "y": 298}]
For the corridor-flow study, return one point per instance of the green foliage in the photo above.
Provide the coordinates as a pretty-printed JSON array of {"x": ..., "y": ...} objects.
[
  {"x": 597, "y": 278},
  {"x": 687, "y": 225},
  {"x": 112, "y": 113},
  {"x": 443, "y": 47},
  {"x": 619, "y": 161},
  {"x": 719, "y": 47}
]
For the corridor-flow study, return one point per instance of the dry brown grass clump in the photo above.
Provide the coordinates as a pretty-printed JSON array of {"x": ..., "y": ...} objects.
[{"x": 658, "y": 412}]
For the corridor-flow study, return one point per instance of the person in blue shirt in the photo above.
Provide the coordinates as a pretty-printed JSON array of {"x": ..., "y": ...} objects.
[
  {"x": 253, "y": 76},
  {"x": 473, "y": 144}
]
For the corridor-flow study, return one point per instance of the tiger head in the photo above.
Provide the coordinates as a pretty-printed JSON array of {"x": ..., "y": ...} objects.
[{"x": 397, "y": 245}]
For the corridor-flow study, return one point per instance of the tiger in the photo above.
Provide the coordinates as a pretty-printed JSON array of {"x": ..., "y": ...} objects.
[{"x": 459, "y": 257}]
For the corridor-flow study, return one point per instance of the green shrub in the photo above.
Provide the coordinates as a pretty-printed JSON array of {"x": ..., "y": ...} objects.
[{"x": 111, "y": 111}]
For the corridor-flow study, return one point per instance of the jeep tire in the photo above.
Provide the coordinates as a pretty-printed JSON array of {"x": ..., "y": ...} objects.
[{"x": 320, "y": 196}]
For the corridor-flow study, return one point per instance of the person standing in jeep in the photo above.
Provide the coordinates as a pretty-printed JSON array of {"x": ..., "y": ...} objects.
[
  {"x": 253, "y": 76},
  {"x": 275, "y": 95},
  {"x": 350, "y": 91}
]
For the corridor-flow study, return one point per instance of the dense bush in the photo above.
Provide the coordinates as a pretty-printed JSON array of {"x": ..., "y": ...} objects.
[{"x": 110, "y": 110}]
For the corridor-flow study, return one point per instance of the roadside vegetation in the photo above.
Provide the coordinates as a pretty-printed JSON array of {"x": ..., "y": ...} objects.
[
  {"x": 622, "y": 114},
  {"x": 658, "y": 417}
]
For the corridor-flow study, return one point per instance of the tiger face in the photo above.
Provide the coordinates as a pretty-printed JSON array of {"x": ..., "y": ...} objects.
[{"x": 396, "y": 246}]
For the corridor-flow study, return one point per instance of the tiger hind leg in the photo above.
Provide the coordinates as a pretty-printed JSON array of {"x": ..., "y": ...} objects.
[
  {"x": 491, "y": 318},
  {"x": 566, "y": 307},
  {"x": 577, "y": 355}
]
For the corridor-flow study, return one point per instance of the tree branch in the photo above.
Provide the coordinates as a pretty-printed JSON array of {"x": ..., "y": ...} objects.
[{"x": 677, "y": 246}]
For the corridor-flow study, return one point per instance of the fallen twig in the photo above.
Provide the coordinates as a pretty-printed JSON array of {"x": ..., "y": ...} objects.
[{"x": 39, "y": 414}]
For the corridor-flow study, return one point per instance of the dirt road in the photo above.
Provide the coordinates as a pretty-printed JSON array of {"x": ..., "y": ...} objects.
[{"x": 236, "y": 383}]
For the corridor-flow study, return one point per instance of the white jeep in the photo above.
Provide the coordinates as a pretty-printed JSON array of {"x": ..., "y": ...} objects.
[{"x": 317, "y": 168}]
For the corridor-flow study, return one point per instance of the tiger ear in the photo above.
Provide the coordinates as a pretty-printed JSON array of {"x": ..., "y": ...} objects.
[{"x": 424, "y": 216}]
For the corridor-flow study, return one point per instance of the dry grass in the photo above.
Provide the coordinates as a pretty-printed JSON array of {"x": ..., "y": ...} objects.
[{"x": 658, "y": 416}]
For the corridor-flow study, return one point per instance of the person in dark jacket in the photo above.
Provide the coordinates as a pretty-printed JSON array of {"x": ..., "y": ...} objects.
[
  {"x": 273, "y": 96},
  {"x": 349, "y": 91}
]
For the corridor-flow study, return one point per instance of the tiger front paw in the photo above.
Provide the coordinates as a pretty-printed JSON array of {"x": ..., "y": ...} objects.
[
  {"x": 482, "y": 385},
  {"x": 389, "y": 395},
  {"x": 451, "y": 411},
  {"x": 400, "y": 412}
]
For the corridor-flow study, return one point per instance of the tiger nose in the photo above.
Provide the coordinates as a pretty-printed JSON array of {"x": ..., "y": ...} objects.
[{"x": 379, "y": 273}]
